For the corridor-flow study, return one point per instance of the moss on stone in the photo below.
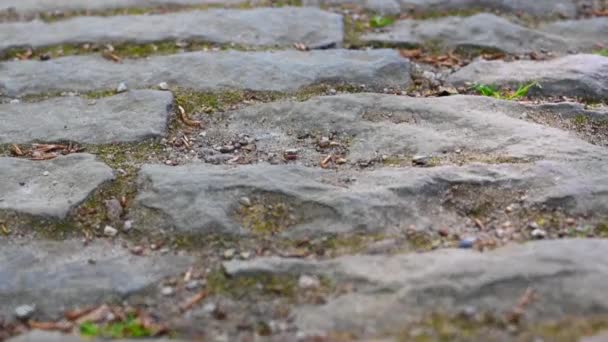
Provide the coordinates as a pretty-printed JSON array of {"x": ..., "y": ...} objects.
[
  {"x": 488, "y": 327},
  {"x": 251, "y": 286}
]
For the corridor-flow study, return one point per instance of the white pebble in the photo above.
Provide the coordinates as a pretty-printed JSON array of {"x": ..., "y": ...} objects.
[
  {"x": 110, "y": 231},
  {"x": 46, "y": 173},
  {"x": 163, "y": 86},
  {"x": 122, "y": 87},
  {"x": 308, "y": 282}
]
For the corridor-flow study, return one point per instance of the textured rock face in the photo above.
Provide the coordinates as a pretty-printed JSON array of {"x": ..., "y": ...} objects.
[
  {"x": 256, "y": 27},
  {"x": 204, "y": 199},
  {"x": 569, "y": 276},
  {"x": 126, "y": 117},
  {"x": 49, "y": 188},
  {"x": 58, "y": 275},
  {"x": 35, "y": 6},
  {"x": 201, "y": 198},
  {"x": 584, "y": 76},
  {"x": 479, "y": 31},
  {"x": 390, "y": 125},
  {"x": 543, "y": 8},
  {"x": 273, "y": 71}
]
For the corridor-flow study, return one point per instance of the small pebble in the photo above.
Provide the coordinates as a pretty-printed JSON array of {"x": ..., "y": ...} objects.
[
  {"x": 137, "y": 250},
  {"x": 167, "y": 291},
  {"x": 24, "y": 312},
  {"x": 539, "y": 234},
  {"x": 46, "y": 173},
  {"x": 333, "y": 91},
  {"x": 467, "y": 242},
  {"x": 308, "y": 282},
  {"x": 122, "y": 87},
  {"x": 229, "y": 253},
  {"x": 163, "y": 86},
  {"x": 421, "y": 160},
  {"x": 127, "y": 225},
  {"x": 110, "y": 231},
  {"x": 227, "y": 149},
  {"x": 533, "y": 225},
  {"x": 245, "y": 255},
  {"x": 15, "y": 101},
  {"x": 245, "y": 201},
  {"x": 193, "y": 285}
]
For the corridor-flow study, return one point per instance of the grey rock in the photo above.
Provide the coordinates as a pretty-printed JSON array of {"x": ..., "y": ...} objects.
[
  {"x": 122, "y": 87},
  {"x": 28, "y": 7},
  {"x": 24, "y": 312},
  {"x": 25, "y": 190},
  {"x": 263, "y": 71},
  {"x": 256, "y": 27},
  {"x": 132, "y": 116},
  {"x": 569, "y": 276},
  {"x": 583, "y": 34},
  {"x": 57, "y": 276},
  {"x": 113, "y": 209},
  {"x": 584, "y": 76},
  {"x": 486, "y": 31},
  {"x": 399, "y": 125},
  {"x": 202, "y": 198},
  {"x": 541, "y": 8},
  {"x": 110, "y": 231}
]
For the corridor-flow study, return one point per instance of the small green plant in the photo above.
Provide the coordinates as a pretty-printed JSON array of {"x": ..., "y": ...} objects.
[
  {"x": 380, "y": 21},
  {"x": 131, "y": 327},
  {"x": 490, "y": 91},
  {"x": 603, "y": 52}
]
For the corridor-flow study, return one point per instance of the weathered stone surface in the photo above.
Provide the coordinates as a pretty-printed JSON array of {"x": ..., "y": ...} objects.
[
  {"x": 584, "y": 76},
  {"x": 486, "y": 31},
  {"x": 58, "y": 275},
  {"x": 581, "y": 34},
  {"x": 568, "y": 275},
  {"x": 200, "y": 198},
  {"x": 35, "y": 6},
  {"x": 255, "y": 27},
  {"x": 279, "y": 71},
  {"x": 543, "y": 8},
  {"x": 398, "y": 125},
  {"x": 49, "y": 188},
  {"x": 126, "y": 117}
]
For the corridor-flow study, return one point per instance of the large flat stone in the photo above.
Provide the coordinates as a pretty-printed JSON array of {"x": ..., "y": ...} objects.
[
  {"x": 542, "y": 8},
  {"x": 202, "y": 199},
  {"x": 584, "y": 76},
  {"x": 126, "y": 117},
  {"x": 24, "y": 7},
  {"x": 58, "y": 275},
  {"x": 486, "y": 31},
  {"x": 255, "y": 27},
  {"x": 274, "y": 71},
  {"x": 398, "y": 125},
  {"x": 581, "y": 34},
  {"x": 24, "y": 188},
  {"x": 569, "y": 277}
]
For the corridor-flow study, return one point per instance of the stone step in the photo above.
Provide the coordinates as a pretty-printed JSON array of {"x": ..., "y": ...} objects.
[
  {"x": 295, "y": 201},
  {"x": 256, "y": 27},
  {"x": 214, "y": 71},
  {"x": 488, "y": 31},
  {"x": 584, "y": 76},
  {"x": 56, "y": 276},
  {"x": 30, "y": 7},
  {"x": 541, "y": 8},
  {"x": 127, "y": 117},
  {"x": 368, "y": 125},
  {"x": 568, "y": 277},
  {"x": 49, "y": 188}
]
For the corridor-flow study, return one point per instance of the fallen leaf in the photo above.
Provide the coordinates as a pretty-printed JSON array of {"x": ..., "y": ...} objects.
[
  {"x": 192, "y": 301},
  {"x": 185, "y": 119}
]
